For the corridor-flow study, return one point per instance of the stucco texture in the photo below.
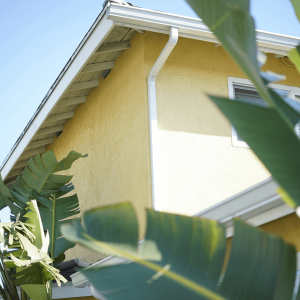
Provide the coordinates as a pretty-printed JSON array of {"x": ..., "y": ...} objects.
[
  {"x": 286, "y": 227},
  {"x": 198, "y": 166},
  {"x": 112, "y": 128}
]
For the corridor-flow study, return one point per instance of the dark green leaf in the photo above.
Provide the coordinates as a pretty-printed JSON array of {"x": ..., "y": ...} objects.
[
  {"x": 52, "y": 219},
  {"x": 59, "y": 259},
  {"x": 182, "y": 258},
  {"x": 261, "y": 266},
  {"x": 294, "y": 56},
  {"x": 188, "y": 251},
  {"x": 271, "y": 138}
]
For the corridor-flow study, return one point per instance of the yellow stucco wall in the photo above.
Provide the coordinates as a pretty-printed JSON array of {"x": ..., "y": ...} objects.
[
  {"x": 112, "y": 127},
  {"x": 199, "y": 167},
  {"x": 286, "y": 227}
]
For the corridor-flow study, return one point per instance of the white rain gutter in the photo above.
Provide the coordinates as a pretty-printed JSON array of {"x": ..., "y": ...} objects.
[
  {"x": 153, "y": 111},
  {"x": 257, "y": 205}
]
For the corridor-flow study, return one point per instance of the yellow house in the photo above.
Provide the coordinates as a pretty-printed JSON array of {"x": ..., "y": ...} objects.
[{"x": 133, "y": 96}]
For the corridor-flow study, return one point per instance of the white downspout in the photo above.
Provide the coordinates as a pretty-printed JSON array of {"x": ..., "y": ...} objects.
[{"x": 153, "y": 112}]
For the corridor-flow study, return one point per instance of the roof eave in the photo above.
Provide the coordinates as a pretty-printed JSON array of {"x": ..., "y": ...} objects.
[
  {"x": 256, "y": 205},
  {"x": 93, "y": 39},
  {"x": 193, "y": 28}
]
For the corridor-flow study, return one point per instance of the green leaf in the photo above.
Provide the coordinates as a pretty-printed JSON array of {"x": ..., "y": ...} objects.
[
  {"x": 37, "y": 178},
  {"x": 3, "y": 188},
  {"x": 39, "y": 174},
  {"x": 172, "y": 243},
  {"x": 62, "y": 208},
  {"x": 37, "y": 273},
  {"x": 182, "y": 258},
  {"x": 261, "y": 266},
  {"x": 34, "y": 219},
  {"x": 36, "y": 291},
  {"x": 294, "y": 56},
  {"x": 232, "y": 24},
  {"x": 296, "y": 4},
  {"x": 270, "y": 137},
  {"x": 59, "y": 259}
]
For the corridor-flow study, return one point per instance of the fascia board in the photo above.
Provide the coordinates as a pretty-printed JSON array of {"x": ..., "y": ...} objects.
[
  {"x": 93, "y": 41},
  {"x": 194, "y": 28},
  {"x": 257, "y": 205},
  {"x": 67, "y": 290},
  {"x": 79, "y": 280}
]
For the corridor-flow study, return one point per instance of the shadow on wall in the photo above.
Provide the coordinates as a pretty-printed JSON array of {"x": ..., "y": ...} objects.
[{"x": 194, "y": 70}]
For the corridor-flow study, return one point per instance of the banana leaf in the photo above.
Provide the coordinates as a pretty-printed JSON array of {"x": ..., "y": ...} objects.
[
  {"x": 183, "y": 257},
  {"x": 62, "y": 208}
]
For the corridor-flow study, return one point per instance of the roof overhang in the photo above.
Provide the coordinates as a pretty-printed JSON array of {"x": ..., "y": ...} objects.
[
  {"x": 126, "y": 16},
  {"x": 257, "y": 205},
  {"x": 193, "y": 28},
  {"x": 93, "y": 39}
]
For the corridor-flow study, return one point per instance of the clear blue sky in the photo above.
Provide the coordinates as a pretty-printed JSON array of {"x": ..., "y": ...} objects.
[{"x": 38, "y": 37}]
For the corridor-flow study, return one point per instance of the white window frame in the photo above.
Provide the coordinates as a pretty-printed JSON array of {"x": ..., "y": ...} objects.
[{"x": 247, "y": 83}]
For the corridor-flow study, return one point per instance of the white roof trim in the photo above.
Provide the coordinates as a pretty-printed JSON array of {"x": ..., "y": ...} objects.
[
  {"x": 193, "y": 28},
  {"x": 133, "y": 17},
  {"x": 257, "y": 205},
  {"x": 80, "y": 281},
  {"x": 67, "y": 290}
]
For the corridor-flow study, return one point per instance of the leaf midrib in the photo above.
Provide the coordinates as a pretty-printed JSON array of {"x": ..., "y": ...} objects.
[{"x": 199, "y": 289}]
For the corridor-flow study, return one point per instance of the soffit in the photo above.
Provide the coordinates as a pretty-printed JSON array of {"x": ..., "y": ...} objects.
[
  {"x": 256, "y": 205},
  {"x": 99, "y": 63}
]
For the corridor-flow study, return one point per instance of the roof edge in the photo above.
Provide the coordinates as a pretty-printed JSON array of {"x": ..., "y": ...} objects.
[
  {"x": 63, "y": 71},
  {"x": 194, "y": 28},
  {"x": 256, "y": 205},
  {"x": 53, "y": 95}
]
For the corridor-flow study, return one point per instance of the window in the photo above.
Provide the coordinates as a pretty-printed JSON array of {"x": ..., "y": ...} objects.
[{"x": 244, "y": 90}]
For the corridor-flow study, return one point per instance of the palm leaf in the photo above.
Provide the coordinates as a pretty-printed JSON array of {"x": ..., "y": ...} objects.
[
  {"x": 34, "y": 219},
  {"x": 272, "y": 140},
  {"x": 62, "y": 208},
  {"x": 39, "y": 174},
  {"x": 39, "y": 177},
  {"x": 39, "y": 181},
  {"x": 296, "y": 5},
  {"x": 182, "y": 257},
  {"x": 16, "y": 205}
]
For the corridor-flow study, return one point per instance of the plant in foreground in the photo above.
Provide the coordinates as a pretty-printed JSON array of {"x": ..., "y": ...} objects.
[
  {"x": 39, "y": 182},
  {"x": 183, "y": 257}
]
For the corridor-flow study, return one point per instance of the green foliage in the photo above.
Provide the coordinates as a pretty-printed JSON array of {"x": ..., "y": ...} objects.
[
  {"x": 63, "y": 207},
  {"x": 26, "y": 248},
  {"x": 39, "y": 181},
  {"x": 269, "y": 131},
  {"x": 183, "y": 257},
  {"x": 296, "y": 4},
  {"x": 294, "y": 56},
  {"x": 30, "y": 254}
]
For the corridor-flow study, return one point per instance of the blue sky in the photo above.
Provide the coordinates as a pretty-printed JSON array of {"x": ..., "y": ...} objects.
[{"x": 38, "y": 37}]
